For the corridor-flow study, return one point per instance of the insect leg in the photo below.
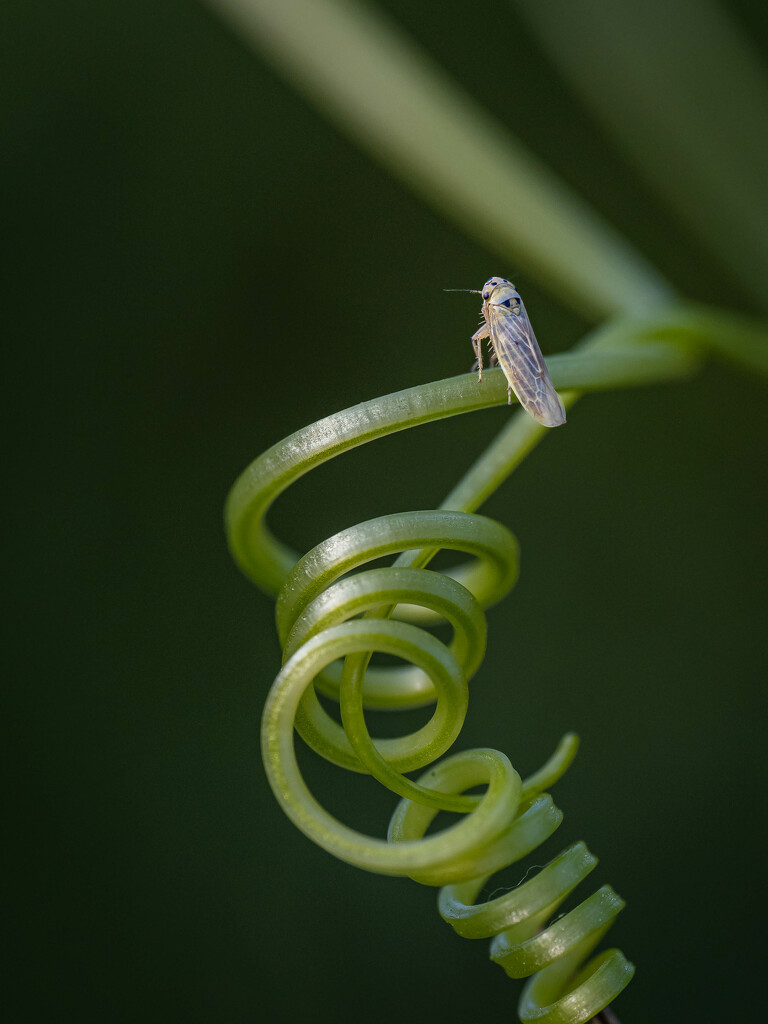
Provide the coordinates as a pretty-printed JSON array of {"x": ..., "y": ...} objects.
[
  {"x": 478, "y": 363},
  {"x": 509, "y": 394},
  {"x": 484, "y": 332}
]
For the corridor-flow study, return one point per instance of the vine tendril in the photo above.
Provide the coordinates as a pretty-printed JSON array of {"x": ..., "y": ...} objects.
[{"x": 330, "y": 623}]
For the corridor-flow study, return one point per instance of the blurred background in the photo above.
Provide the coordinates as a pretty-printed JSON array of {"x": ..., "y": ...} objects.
[{"x": 170, "y": 199}]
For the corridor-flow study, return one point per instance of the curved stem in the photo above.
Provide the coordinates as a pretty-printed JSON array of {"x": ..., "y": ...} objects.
[
  {"x": 623, "y": 353},
  {"x": 318, "y": 615}
]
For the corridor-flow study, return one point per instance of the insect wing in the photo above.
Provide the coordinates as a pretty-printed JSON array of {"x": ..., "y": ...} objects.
[{"x": 521, "y": 360}]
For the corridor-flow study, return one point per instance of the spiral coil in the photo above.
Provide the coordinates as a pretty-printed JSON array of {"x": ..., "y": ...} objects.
[
  {"x": 317, "y": 615},
  {"x": 332, "y": 614}
]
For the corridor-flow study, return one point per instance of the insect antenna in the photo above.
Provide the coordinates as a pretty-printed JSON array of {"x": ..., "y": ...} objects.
[{"x": 474, "y": 291}]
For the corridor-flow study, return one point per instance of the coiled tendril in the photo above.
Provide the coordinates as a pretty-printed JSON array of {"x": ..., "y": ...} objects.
[{"x": 330, "y": 623}]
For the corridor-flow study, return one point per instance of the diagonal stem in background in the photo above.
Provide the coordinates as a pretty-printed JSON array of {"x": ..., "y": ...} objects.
[
  {"x": 684, "y": 95},
  {"x": 395, "y": 101}
]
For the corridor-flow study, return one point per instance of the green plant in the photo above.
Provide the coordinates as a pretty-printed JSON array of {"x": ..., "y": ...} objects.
[{"x": 460, "y": 160}]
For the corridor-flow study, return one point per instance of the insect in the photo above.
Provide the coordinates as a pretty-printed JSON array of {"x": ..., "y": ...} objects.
[{"x": 516, "y": 350}]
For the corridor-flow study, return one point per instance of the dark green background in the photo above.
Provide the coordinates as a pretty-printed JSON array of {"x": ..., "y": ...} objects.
[{"x": 172, "y": 206}]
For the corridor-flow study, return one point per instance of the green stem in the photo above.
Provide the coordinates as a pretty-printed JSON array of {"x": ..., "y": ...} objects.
[
  {"x": 624, "y": 353},
  {"x": 326, "y": 616},
  {"x": 388, "y": 94},
  {"x": 686, "y": 97}
]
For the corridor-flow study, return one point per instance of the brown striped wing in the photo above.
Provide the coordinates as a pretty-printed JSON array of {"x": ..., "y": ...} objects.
[{"x": 521, "y": 360}]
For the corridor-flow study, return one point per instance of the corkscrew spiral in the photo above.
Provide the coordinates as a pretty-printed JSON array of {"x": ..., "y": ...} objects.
[{"x": 333, "y": 613}]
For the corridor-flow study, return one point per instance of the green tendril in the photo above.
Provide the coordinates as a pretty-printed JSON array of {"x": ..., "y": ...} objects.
[{"x": 333, "y": 613}]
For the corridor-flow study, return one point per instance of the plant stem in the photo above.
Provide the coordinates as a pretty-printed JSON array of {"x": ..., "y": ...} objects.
[
  {"x": 393, "y": 99},
  {"x": 686, "y": 97}
]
